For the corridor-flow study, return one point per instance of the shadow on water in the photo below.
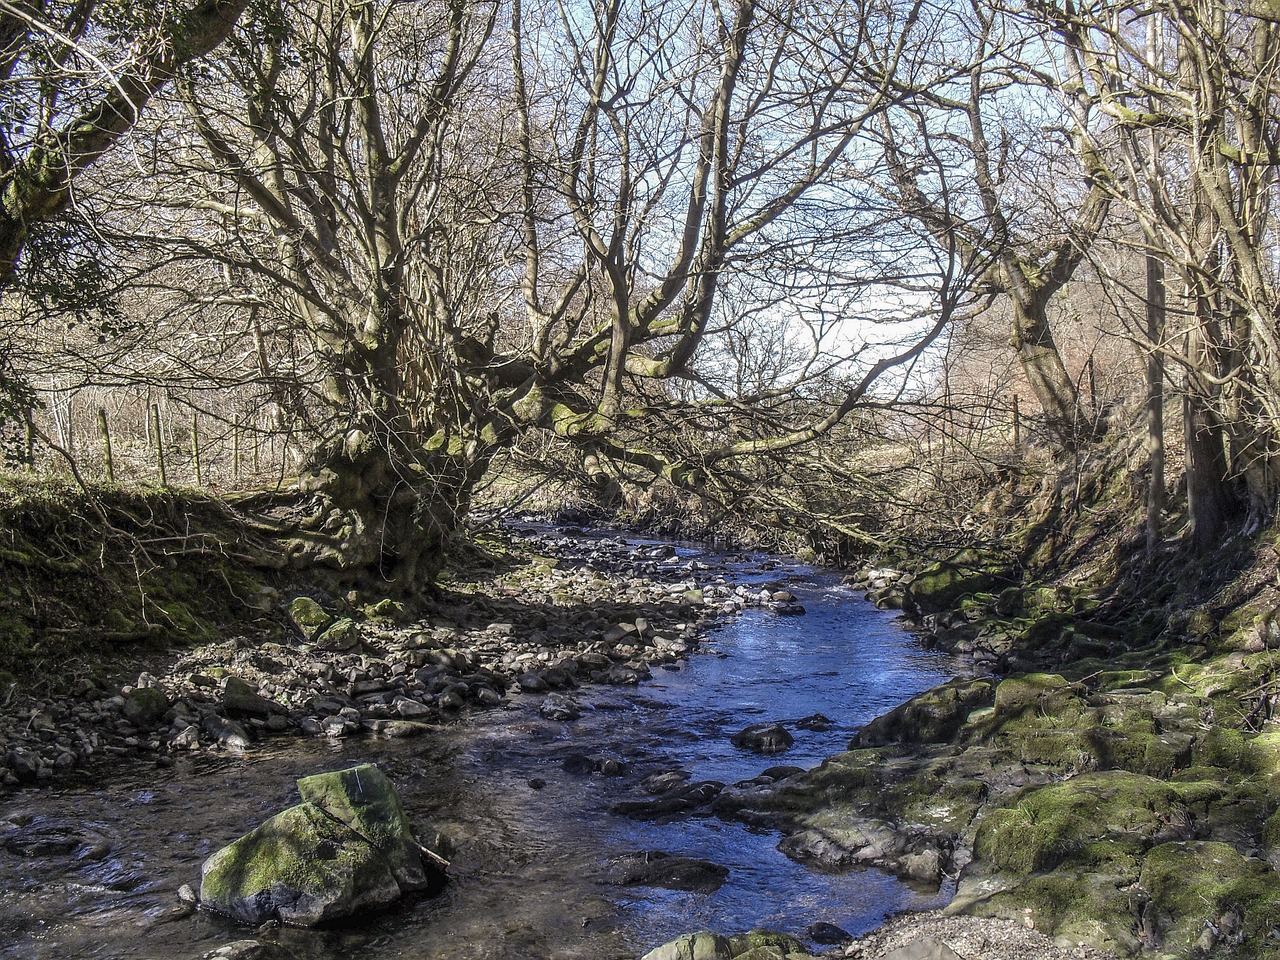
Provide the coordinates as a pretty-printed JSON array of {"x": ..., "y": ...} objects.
[{"x": 92, "y": 872}]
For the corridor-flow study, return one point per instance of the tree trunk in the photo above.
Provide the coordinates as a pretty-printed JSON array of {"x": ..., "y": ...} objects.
[
  {"x": 1154, "y": 441},
  {"x": 1045, "y": 372},
  {"x": 1212, "y": 505},
  {"x": 385, "y": 513}
]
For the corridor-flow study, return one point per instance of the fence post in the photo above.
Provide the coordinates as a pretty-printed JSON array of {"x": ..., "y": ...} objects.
[
  {"x": 155, "y": 432},
  {"x": 195, "y": 448},
  {"x": 235, "y": 450},
  {"x": 107, "y": 458}
]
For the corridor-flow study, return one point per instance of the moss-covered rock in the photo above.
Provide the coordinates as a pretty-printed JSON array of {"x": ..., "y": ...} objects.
[
  {"x": 309, "y": 617},
  {"x": 1206, "y": 899},
  {"x": 345, "y": 849},
  {"x": 144, "y": 706},
  {"x": 363, "y": 799},
  {"x": 299, "y": 867},
  {"x": 1091, "y": 820},
  {"x": 940, "y": 586},
  {"x": 743, "y": 943},
  {"x": 929, "y": 717},
  {"x": 703, "y": 945},
  {"x": 342, "y": 635}
]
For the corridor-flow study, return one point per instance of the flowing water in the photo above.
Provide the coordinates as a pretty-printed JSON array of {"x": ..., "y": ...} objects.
[{"x": 93, "y": 871}]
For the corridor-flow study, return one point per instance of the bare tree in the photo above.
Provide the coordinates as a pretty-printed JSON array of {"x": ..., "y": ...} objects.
[
  {"x": 456, "y": 240},
  {"x": 1188, "y": 93},
  {"x": 995, "y": 162}
]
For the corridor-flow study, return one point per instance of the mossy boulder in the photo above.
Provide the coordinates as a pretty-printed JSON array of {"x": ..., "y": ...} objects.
[
  {"x": 743, "y": 943},
  {"x": 144, "y": 706},
  {"x": 343, "y": 635},
  {"x": 703, "y": 945},
  {"x": 930, "y": 717},
  {"x": 309, "y": 617},
  {"x": 940, "y": 586},
  {"x": 347, "y": 848},
  {"x": 1042, "y": 692},
  {"x": 1116, "y": 859},
  {"x": 1091, "y": 820},
  {"x": 1207, "y": 899}
]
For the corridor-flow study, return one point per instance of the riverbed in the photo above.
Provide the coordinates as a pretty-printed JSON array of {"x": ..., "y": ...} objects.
[{"x": 93, "y": 871}]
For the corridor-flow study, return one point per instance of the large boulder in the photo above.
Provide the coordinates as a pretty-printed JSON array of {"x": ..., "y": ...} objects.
[{"x": 346, "y": 848}]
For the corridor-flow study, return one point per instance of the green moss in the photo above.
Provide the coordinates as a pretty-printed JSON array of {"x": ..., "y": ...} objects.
[
  {"x": 362, "y": 798},
  {"x": 940, "y": 586},
  {"x": 782, "y": 943},
  {"x": 1076, "y": 906},
  {"x": 1222, "y": 747},
  {"x": 930, "y": 717},
  {"x": 1044, "y": 692},
  {"x": 1196, "y": 885},
  {"x": 1093, "y": 819},
  {"x": 1263, "y": 751},
  {"x": 309, "y": 617},
  {"x": 300, "y": 849}
]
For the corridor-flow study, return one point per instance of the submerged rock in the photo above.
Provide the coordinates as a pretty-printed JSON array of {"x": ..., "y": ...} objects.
[
  {"x": 686, "y": 797},
  {"x": 346, "y": 848},
  {"x": 652, "y": 868}
]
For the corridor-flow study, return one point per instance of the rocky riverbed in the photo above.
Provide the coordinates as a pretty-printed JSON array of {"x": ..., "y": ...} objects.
[
  {"x": 1013, "y": 785},
  {"x": 581, "y": 610}
]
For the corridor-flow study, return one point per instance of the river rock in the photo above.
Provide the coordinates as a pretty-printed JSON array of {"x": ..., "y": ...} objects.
[
  {"x": 827, "y": 934},
  {"x": 241, "y": 699},
  {"x": 346, "y": 848},
  {"x": 250, "y": 950},
  {"x": 309, "y": 617},
  {"x": 652, "y": 868},
  {"x": 144, "y": 706},
  {"x": 224, "y": 732},
  {"x": 764, "y": 738},
  {"x": 558, "y": 707},
  {"x": 684, "y": 798},
  {"x": 926, "y": 948},
  {"x": 703, "y": 945},
  {"x": 342, "y": 635}
]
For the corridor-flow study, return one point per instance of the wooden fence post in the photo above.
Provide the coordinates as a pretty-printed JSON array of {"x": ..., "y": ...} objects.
[
  {"x": 155, "y": 431},
  {"x": 107, "y": 458}
]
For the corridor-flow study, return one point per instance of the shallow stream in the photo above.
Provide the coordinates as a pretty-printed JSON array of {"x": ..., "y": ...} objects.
[{"x": 92, "y": 872}]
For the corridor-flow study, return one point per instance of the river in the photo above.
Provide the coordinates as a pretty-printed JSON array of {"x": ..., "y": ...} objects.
[{"x": 92, "y": 871}]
